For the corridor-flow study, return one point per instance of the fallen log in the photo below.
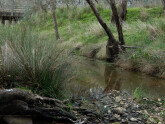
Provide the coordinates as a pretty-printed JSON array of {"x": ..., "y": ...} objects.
[{"x": 124, "y": 46}]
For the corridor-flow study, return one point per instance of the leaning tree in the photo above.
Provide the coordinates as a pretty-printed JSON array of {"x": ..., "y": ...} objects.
[{"x": 113, "y": 47}]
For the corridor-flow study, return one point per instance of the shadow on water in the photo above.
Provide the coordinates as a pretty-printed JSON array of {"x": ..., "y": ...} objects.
[{"x": 93, "y": 76}]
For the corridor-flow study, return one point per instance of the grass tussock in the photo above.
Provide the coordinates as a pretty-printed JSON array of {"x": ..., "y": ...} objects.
[
  {"x": 96, "y": 29},
  {"x": 144, "y": 14},
  {"x": 29, "y": 61}
]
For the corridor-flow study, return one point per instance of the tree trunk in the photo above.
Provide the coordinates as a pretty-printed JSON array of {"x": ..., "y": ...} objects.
[
  {"x": 117, "y": 21},
  {"x": 123, "y": 10},
  {"x": 54, "y": 19},
  {"x": 112, "y": 17},
  {"x": 163, "y": 2},
  {"x": 112, "y": 48}
]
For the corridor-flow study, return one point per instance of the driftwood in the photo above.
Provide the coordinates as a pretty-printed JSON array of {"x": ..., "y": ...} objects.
[{"x": 20, "y": 102}]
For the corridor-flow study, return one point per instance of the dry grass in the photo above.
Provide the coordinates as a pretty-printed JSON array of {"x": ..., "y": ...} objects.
[
  {"x": 153, "y": 32},
  {"x": 144, "y": 15},
  {"x": 96, "y": 29}
]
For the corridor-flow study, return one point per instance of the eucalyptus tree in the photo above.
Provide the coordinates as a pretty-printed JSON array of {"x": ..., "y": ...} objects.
[{"x": 113, "y": 47}]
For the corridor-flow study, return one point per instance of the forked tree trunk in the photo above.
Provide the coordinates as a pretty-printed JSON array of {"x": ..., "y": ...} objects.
[
  {"x": 163, "y": 2},
  {"x": 112, "y": 49},
  {"x": 123, "y": 10},
  {"x": 117, "y": 21},
  {"x": 52, "y": 7}
]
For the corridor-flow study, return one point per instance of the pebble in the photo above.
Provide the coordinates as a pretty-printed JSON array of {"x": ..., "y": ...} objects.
[
  {"x": 118, "y": 110},
  {"x": 118, "y": 99},
  {"x": 133, "y": 119}
]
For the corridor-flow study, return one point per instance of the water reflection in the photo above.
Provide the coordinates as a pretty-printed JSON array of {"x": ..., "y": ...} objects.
[
  {"x": 91, "y": 76},
  {"x": 112, "y": 79}
]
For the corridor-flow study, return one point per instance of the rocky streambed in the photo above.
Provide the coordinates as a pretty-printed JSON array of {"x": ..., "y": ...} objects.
[
  {"x": 113, "y": 107},
  {"x": 120, "y": 108}
]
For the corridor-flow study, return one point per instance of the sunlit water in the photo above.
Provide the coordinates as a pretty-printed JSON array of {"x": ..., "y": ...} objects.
[{"x": 92, "y": 75}]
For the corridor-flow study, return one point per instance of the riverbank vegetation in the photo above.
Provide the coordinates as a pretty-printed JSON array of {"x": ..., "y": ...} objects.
[
  {"x": 39, "y": 57},
  {"x": 80, "y": 30}
]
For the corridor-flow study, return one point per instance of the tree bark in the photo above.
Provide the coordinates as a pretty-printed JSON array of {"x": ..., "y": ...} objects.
[
  {"x": 112, "y": 48},
  {"x": 112, "y": 17},
  {"x": 163, "y": 2},
  {"x": 123, "y": 10},
  {"x": 54, "y": 19},
  {"x": 117, "y": 21}
]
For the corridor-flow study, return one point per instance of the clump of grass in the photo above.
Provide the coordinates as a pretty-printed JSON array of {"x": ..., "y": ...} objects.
[
  {"x": 144, "y": 15},
  {"x": 153, "y": 32},
  {"x": 96, "y": 29},
  {"x": 31, "y": 62},
  {"x": 138, "y": 93}
]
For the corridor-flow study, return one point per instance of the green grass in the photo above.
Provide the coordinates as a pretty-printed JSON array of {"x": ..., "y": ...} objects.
[
  {"x": 80, "y": 25},
  {"x": 138, "y": 93}
]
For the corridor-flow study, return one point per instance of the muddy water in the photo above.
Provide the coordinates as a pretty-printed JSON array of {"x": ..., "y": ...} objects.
[{"x": 92, "y": 75}]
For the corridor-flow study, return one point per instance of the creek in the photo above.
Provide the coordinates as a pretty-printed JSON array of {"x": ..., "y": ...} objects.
[{"x": 93, "y": 75}]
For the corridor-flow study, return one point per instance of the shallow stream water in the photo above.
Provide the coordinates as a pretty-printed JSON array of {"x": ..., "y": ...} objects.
[{"x": 92, "y": 75}]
